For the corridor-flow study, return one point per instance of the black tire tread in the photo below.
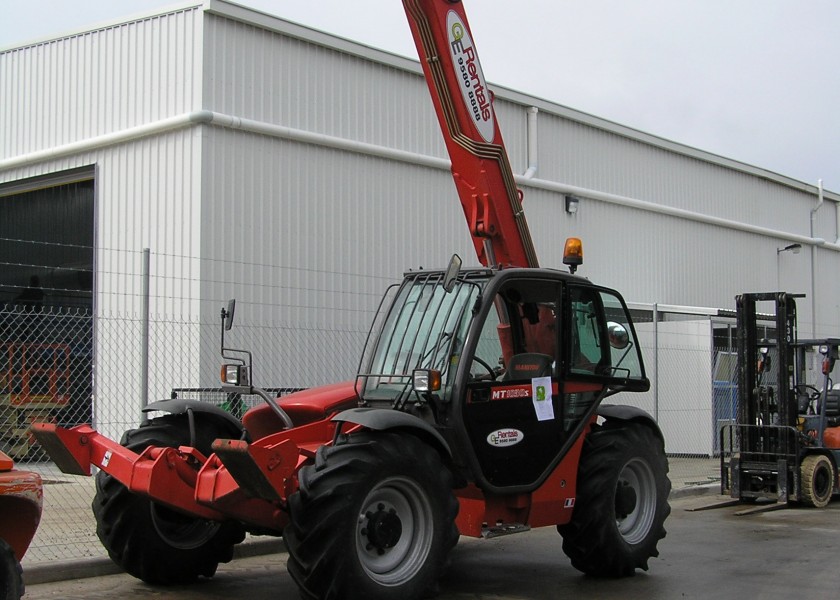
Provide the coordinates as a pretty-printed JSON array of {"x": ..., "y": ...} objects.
[
  {"x": 318, "y": 557},
  {"x": 809, "y": 469},
  {"x": 123, "y": 519},
  {"x": 592, "y": 540},
  {"x": 11, "y": 573}
]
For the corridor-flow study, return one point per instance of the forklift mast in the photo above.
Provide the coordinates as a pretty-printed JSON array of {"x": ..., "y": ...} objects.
[{"x": 766, "y": 365}]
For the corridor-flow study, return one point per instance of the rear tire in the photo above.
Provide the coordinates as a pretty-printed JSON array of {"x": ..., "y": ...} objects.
[
  {"x": 817, "y": 477},
  {"x": 11, "y": 575},
  {"x": 374, "y": 518},
  {"x": 152, "y": 542},
  {"x": 622, "y": 501}
]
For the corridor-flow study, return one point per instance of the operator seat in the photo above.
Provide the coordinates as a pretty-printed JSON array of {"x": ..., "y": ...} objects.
[
  {"x": 832, "y": 408},
  {"x": 528, "y": 365}
]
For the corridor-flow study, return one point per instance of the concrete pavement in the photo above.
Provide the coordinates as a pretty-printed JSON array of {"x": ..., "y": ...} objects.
[
  {"x": 66, "y": 545},
  {"x": 711, "y": 555}
]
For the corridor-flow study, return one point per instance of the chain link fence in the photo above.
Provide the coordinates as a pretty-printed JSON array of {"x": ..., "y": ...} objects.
[
  {"x": 102, "y": 365},
  {"x": 45, "y": 374}
]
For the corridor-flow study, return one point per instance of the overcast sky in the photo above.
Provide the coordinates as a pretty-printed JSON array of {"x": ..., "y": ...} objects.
[{"x": 753, "y": 80}]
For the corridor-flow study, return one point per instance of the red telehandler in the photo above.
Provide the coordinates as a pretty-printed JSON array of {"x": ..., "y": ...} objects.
[{"x": 477, "y": 410}]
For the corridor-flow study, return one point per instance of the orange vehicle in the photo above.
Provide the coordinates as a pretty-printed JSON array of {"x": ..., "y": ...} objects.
[
  {"x": 477, "y": 410},
  {"x": 785, "y": 443},
  {"x": 34, "y": 382},
  {"x": 21, "y": 500}
]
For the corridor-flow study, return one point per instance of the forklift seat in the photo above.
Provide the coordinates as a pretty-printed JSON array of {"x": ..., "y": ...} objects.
[
  {"x": 528, "y": 365},
  {"x": 832, "y": 408}
]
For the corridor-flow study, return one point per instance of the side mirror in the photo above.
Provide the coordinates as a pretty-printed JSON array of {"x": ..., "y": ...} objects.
[
  {"x": 227, "y": 314},
  {"x": 618, "y": 336},
  {"x": 451, "y": 274}
]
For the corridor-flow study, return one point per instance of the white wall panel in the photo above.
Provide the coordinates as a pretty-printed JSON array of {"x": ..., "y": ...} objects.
[
  {"x": 100, "y": 81},
  {"x": 686, "y": 396},
  {"x": 263, "y": 75},
  {"x": 144, "y": 198},
  {"x": 656, "y": 258},
  {"x": 585, "y": 156},
  {"x": 310, "y": 237}
]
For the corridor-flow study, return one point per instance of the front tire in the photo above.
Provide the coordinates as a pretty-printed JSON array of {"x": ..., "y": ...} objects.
[
  {"x": 817, "y": 477},
  {"x": 11, "y": 575},
  {"x": 622, "y": 501},
  {"x": 374, "y": 519},
  {"x": 152, "y": 542}
]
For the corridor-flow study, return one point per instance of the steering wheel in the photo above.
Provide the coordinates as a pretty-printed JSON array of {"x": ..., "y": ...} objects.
[
  {"x": 809, "y": 391},
  {"x": 486, "y": 365},
  {"x": 813, "y": 392}
]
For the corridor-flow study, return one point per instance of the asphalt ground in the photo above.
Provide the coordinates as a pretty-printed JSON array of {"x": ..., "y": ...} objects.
[
  {"x": 67, "y": 560},
  {"x": 66, "y": 545},
  {"x": 709, "y": 555}
]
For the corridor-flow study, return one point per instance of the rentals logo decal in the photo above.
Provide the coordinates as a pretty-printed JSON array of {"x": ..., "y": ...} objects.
[
  {"x": 472, "y": 82},
  {"x": 505, "y": 437}
]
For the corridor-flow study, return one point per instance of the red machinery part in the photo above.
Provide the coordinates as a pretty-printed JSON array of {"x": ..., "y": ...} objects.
[
  {"x": 831, "y": 437},
  {"x": 21, "y": 502},
  {"x": 480, "y": 165}
]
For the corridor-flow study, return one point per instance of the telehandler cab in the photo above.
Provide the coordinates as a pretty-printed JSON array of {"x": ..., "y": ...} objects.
[{"x": 477, "y": 410}]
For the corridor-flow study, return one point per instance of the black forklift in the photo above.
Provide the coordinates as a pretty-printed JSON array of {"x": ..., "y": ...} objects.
[{"x": 785, "y": 443}]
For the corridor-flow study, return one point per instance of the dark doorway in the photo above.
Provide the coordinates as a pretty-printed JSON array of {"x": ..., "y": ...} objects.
[
  {"x": 46, "y": 238},
  {"x": 46, "y": 299}
]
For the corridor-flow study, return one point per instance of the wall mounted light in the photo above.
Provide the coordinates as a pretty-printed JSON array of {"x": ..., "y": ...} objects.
[
  {"x": 795, "y": 248},
  {"x": 572, "y": 204}
]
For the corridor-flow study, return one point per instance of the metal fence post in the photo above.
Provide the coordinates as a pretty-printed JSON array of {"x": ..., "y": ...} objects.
[
  {"x": 144, "y": 337},
  {"x": 656, "y": 362}
]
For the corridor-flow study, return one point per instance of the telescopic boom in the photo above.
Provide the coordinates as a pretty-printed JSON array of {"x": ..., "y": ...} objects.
[{"x": 464, "y": 105}]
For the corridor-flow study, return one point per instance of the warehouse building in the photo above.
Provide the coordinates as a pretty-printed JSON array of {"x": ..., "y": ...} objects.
[{"x": 303, "y": 173}]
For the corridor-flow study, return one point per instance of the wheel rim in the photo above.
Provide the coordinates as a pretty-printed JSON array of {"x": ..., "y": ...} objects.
[
  {"x": 394, "y": 531},
  {"x": 822, "y": 481},
  {"x": 635, "y": 501},
  {"x": 181, "y": 531}
]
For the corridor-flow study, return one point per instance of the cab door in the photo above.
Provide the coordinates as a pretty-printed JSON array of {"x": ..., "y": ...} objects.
[
  {"x": 546, "y": 353},
  {"x": 513, "y": 406}
]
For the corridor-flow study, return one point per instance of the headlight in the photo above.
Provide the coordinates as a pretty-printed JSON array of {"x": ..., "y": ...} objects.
[
  {"x": 235, "y": 375},
  {"x": 426, "y": 380}
]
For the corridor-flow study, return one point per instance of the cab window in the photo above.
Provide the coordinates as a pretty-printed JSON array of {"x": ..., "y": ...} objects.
[
  {"x": 602, "y": 340},
  {"x": 588, "y": 355},
  {"x": 519, "y": 337}
]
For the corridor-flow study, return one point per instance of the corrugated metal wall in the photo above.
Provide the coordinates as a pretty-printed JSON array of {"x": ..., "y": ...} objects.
[
  {"x": 582, "y": 155},
  {"x": 144, "y": 198},
  {"x": 320, "y": 232},
  {"x": 325, "y": 230},
  {"x": 106, "y": 81},
  {"x": 270, "y": 76},
  {"x": 100, "y": 81},
  {"x": 267, "y": 76}
]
